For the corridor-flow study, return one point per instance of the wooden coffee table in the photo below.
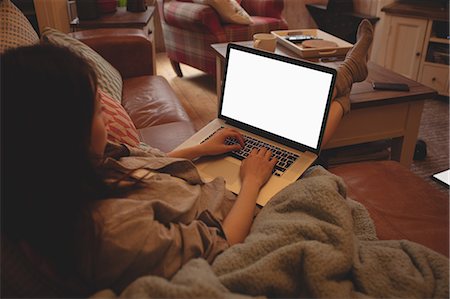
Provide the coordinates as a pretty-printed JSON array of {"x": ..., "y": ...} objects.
[{"x": 375, "y": 115}]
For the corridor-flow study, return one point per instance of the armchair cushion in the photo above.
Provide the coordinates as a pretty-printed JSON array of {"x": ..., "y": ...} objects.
[
  {"x": 109, "y": 78},
  {"x": 150, "y": 101},
  {"x": 15, "y": 29},
  {"x": 229, "y": 10},
  {"x": 192, "y": 17},
  {"x": 266, "y": 8},
  {"x": 260, "y": 24}
]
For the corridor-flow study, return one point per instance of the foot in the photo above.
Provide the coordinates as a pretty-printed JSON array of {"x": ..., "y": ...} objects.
[
  {"x": 354, "y": 67},
  {"x": 360, "y": 51}
]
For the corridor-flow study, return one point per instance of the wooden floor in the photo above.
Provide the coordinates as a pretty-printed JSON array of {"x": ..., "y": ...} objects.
[{"x": 197, "y": 92}]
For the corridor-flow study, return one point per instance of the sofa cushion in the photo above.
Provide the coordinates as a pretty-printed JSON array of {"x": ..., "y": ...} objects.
[
  {"x": 229, "y": 10},
  {"x": 118, "y": 124},
  {"x": 150, "y": 101},
  {"x": 401, "y": 204},
  {"x": 15, "y": 29},
  {"x": 109, "y": 78},
  {"x": 158, "y": 137}
]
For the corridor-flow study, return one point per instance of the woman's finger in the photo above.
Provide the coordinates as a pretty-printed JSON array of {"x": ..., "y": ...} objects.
[
  {"x": 273, "y": 161},
  {"x": 268, "y": 154},
  {"x": 262, "y": 151},
  {"x": 236, "y": 135}
]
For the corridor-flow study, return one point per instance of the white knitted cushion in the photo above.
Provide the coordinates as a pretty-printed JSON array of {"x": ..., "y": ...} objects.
[
  {"x": 15, "y": 29},
  {"x": 109, "y": 79}
]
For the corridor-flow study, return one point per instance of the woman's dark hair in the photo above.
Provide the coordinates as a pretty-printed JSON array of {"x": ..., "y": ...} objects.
[{"x": 48, "y": 177}]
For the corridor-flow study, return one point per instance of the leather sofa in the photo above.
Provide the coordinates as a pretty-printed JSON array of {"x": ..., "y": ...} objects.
[
  {"x": 401, "y": 204},
  {"x": 149, "y": 100}
]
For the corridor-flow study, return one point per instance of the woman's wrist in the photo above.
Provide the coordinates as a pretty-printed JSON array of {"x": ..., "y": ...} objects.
[
  {"x": 251, "y": 182},
  {"x": 198, "y": 151},
  {"x": 189, "y": 153}
]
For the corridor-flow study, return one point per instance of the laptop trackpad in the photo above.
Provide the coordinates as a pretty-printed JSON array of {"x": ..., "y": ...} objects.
[{"x": 227, "y": 168}]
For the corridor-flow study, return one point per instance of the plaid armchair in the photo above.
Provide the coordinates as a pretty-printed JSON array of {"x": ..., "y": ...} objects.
[{"x": 189, "y": 30}]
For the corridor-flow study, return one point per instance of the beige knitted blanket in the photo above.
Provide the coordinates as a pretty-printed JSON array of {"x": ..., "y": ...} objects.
[{"x": 309, "y": 241}]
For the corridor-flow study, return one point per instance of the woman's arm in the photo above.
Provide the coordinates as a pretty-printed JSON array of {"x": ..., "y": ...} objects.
[
  {"x": 213, "y": 146},
  {"x": 138, "y": 242},
  {"x": 255, "y": 171}
]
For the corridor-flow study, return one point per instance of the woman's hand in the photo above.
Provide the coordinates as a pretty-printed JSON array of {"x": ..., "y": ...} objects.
[
  {"x": 215, "y": 145},
  {"x": 257, "y": 168}
]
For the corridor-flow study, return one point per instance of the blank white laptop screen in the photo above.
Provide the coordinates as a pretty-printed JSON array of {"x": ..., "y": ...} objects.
[{"x": 282, "y": 98}]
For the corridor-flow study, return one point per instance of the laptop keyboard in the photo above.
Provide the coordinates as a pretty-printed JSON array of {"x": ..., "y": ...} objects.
[{"x": 285, "y": 158}]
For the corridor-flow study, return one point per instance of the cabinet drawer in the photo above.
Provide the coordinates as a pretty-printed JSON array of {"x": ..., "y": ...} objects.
[{"x": 435, "y": 77}]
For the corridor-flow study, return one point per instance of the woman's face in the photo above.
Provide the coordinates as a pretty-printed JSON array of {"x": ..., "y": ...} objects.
[{"x": 98, "y": 131}]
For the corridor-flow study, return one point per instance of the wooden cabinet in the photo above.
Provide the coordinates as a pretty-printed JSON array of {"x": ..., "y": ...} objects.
[
  {"x": 404, "y": 45},
  {"x": 436, "y": 77},
  {"x": 434, "y": 69},
  {"x": 416, "y": 44}
]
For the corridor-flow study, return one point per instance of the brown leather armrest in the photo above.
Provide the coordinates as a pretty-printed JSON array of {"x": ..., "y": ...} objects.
[{"x": 128, "y": 50}]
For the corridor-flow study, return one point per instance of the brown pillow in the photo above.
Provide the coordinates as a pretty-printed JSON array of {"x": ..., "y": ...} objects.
[
  {"x": 118, "y": 123},
  {"x": 229, "y": 10}
]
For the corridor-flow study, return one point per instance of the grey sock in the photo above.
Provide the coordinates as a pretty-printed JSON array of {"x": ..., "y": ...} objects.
[{"x": 354, "y": 67}]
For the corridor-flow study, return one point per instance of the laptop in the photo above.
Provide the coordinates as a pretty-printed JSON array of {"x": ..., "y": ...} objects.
[{"x": 277, "y": 100}]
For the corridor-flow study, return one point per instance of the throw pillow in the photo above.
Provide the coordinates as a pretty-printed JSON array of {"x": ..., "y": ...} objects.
[
  {"x": 229, "y": 10},
  {"x": 15, "y": 29},
  {"x": 109, "y": 79},
  {"x": 118, "y": 123}
]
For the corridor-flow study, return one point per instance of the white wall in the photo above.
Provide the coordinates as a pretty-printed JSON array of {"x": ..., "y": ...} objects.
[
  {"x": 296, "y": 14},
  {"x": 373, "y": 8}
]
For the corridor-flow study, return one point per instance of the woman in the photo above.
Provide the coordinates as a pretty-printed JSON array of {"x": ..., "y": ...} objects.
[
  {"x": 56, "y": 181},
  {"x": 109, "y": 221}
]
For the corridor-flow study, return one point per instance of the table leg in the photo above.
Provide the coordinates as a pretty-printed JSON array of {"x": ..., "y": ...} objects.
[
  {"x": 219, "y": 74},
  {"x": 402, "y": 148},
  {"x": 219, "y": 78},
  {"x": 149, "y": 30}
]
